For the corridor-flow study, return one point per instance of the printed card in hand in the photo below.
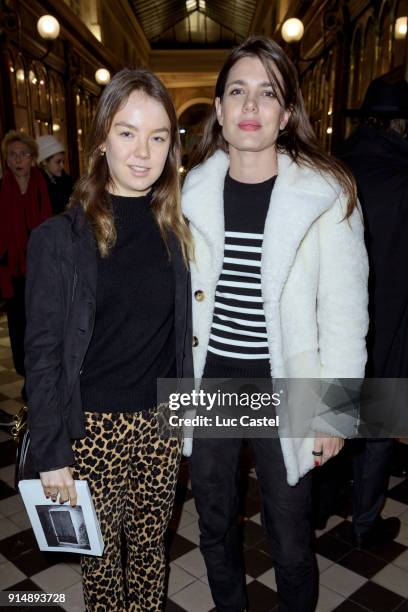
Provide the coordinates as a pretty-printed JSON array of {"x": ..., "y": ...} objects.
[{"x": 60, "y": 527}]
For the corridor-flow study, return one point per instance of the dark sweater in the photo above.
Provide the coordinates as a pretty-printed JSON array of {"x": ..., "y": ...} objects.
[
  {"x": 133, "y": 340},
  {"x": 59, "y": 190},
  {"x": 238, "y": 345}
]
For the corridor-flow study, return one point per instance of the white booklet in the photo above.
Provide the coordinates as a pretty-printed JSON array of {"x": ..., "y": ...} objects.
[{"x": 60, "y": 527}]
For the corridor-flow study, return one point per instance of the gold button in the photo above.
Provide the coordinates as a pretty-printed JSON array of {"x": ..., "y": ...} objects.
[
  {"x": 195, "y": 341},
  {"x": 199, "y": 295}
]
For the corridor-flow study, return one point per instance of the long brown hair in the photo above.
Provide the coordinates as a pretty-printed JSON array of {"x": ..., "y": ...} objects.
[
  {"x": 91, "y": 189},
  {"x": 297, "y": 139}
]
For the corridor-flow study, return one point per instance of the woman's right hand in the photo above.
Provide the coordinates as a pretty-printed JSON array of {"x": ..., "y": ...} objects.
[{"x": 59, "y": 482}]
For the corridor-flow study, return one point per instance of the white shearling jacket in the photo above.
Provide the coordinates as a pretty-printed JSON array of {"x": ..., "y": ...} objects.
[{"x": 314, "y": 275}]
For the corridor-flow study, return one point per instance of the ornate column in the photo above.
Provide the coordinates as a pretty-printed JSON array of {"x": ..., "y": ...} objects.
[
  {"x": 9, "y": 26},
  {"x": 72, "y": 74}
]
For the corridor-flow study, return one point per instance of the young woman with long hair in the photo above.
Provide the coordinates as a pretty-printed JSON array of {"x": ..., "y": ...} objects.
[
  {"x": 279, "y": 285},
  {"x": 107, "y": 304}
]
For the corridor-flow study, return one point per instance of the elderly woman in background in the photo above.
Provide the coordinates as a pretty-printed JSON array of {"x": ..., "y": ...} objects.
[
  {"x": 51, "y": 159},
  {"x": 24, "y": 204}
]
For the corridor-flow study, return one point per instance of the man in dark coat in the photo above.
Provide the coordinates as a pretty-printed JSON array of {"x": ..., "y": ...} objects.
[{"x": 377, "y": 154}]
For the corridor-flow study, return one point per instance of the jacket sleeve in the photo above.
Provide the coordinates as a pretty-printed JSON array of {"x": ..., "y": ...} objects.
[
  {"x": 342, "y": 316},
  {"x": 50, "y": 441}
]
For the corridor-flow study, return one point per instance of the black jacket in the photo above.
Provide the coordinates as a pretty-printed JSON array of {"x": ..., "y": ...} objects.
[
  {"x": 379, "y": 162},
  {"x": 61, "y": 302},
  {"x": 60, "y": 190}
]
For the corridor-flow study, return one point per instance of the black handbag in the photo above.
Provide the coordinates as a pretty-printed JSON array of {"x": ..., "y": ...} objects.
[{"x": 24, "y": 468}]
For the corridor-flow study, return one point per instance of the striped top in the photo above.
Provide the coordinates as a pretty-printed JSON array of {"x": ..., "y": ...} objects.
[{"x": 238, "y": 330}]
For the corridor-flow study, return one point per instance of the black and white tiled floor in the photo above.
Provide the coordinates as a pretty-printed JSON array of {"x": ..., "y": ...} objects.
[{"x": 350, "y": 580}]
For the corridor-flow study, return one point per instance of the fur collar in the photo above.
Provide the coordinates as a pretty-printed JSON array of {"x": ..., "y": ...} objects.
[{"x": 300, "y": 195}]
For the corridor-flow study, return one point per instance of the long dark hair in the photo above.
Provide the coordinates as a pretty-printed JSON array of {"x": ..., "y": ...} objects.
[
  {"x": 91, "y": 189},
  {"x": 298, "y": 139}
]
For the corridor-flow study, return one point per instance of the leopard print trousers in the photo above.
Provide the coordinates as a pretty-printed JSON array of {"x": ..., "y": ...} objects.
[{"x": 132, "y": 474}]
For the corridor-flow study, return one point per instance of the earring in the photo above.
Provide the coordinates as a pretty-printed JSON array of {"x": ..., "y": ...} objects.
[{"x": 102, "y": 153}]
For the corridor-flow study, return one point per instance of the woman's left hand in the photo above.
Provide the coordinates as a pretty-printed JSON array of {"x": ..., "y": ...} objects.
[{"x": 329, "y": 446}]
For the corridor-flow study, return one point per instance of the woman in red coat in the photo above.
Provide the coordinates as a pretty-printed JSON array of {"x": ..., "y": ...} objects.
[{"x": 24, "y": 204}]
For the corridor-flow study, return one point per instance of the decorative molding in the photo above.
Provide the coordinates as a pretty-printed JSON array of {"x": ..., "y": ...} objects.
[
  {"x": 192, "y": 102},
  {"x": 177, "y": 80},
  {"x": 75, "y": 32},
  {"x": 190, "y": 61},
  {"x": 120, "y": 17}
]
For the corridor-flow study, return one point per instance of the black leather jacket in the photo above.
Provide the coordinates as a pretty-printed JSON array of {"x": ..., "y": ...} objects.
[{"x": 60, "y": 303}]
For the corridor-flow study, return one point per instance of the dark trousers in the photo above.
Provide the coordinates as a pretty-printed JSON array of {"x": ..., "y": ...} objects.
[
  {"x": 371, "y": 466},
  {"x": 286, "y": 512},
  {"x": 331, "y": 486},
  {"x": 16, "y": 318}
]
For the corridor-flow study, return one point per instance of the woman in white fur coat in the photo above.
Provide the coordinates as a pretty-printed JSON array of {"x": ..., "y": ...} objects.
[{"x": 279, "y": 287}]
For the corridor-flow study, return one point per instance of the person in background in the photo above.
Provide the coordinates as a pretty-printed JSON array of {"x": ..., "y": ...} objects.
[
  {"x": 377, "y": 154},
  {"x": 51, "y": 159},
  {"x": 24, "y": 204}
]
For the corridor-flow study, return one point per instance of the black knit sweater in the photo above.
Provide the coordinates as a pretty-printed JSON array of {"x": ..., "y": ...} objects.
[{"x": 133, "y": 341}]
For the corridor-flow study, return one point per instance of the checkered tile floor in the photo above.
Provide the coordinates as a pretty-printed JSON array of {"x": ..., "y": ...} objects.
[{"x": 350, "y": 580}]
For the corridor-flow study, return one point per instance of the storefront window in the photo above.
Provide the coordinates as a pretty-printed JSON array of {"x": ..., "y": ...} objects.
[
  {"x": 40, "y": 99},
  {"x": 398, "y": 48},
  {"x": 355, "y": 65},
  {"x": 58, "y": 112},
  {"x": 385, "y": 41},
  {"x": 18, "y": 83},
  {"x": 369, "y": 56},
  {"x": 85, "y": 109}
]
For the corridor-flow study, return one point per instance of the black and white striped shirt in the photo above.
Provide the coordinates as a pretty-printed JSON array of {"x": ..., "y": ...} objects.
[{"x": 238, "y": 329}]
